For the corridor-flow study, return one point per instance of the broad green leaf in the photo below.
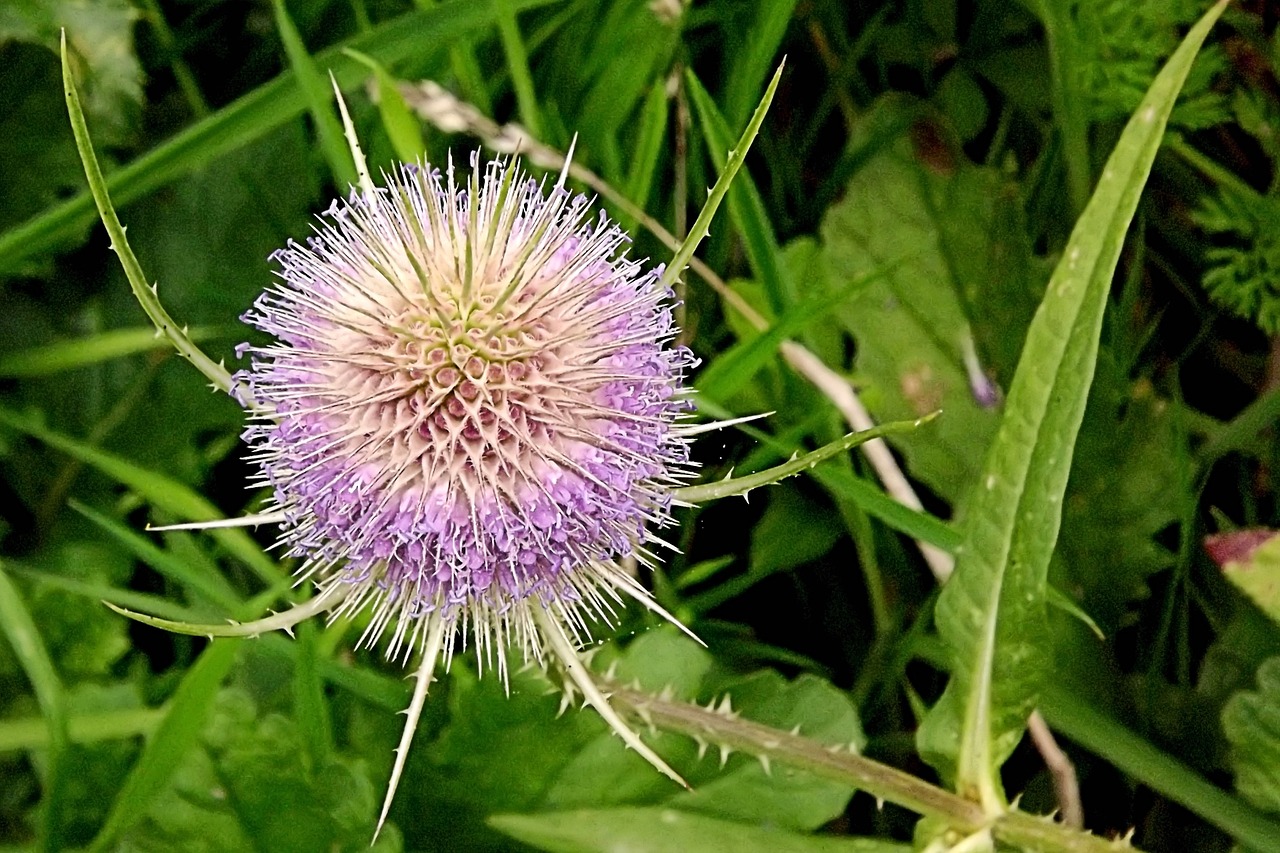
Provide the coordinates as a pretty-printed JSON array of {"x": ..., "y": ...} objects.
[
  {"x": 263, "y": 109},
  {"x": 742, "y": 788},
  {"x": 24, "y": 638},
  {"x": 991, "y": 613},
  {"x": 1251, "y": 722},
  {"x": 499, "y": 753},
  {"x": 245, "y": 784},
  {"x": 657, "y": 830},
  {"x": 1126, "y": 487},
  {"x": 911, "y": 325}
]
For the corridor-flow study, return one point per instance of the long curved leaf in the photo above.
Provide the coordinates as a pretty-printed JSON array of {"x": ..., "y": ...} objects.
[{"x": 992, "y": 613}]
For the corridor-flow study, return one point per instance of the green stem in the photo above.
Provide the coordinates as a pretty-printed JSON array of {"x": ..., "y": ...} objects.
[{"x": 146, "y": 295}]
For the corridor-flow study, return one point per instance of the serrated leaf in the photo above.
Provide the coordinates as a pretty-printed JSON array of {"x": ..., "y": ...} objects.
[
  {"x": 991, "y": 614},
  {"x": 656, "y": 830},
  {"x": 1251, "y": 722}
]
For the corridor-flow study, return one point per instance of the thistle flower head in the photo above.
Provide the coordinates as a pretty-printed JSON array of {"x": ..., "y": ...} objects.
[{"x": 470, "y": 408}]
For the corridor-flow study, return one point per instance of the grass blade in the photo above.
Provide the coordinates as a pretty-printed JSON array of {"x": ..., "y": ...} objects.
[
  {"x": 318, "y": 95},
  {"x": 16, "y": 623},
  {"x": 176, "y": 734},
  {"x": 159, "y": 490},
  {"x": 94, "y": 349}
]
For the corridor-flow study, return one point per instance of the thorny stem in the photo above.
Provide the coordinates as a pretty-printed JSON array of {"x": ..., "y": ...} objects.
[
  {"x": 146, "y": 294},
  {"x": 720, "y": 726}
]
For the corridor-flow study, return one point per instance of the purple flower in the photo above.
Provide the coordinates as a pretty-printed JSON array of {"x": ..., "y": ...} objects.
[{"x": 470, "y": 413}]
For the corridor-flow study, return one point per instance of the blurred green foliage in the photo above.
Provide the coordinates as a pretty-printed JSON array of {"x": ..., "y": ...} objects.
[{"x": 911, "y": 190}]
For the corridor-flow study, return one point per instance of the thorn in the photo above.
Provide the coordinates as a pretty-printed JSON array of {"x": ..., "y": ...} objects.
[
  {"x": 879, "y": 804},
  {"x": 643, "y": 712},
  {"x": 611, "y": 673},
  {"x": 702, "y": 747},
  {"x": 795, "y": 730},
  {"x": 565, "y": 701},
  {"x": 764, "y": 763},
  {"x": 724, "y": 754},
  {"x": 852, "y": 747},
  {"x": 725, "y": 708}
]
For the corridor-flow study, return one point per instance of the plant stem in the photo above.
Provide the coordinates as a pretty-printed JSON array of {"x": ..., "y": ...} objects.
[{"x": 719, "y": 725}]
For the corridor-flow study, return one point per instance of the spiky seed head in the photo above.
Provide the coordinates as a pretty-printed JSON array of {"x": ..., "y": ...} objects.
[{"x": 471, "y": 406}]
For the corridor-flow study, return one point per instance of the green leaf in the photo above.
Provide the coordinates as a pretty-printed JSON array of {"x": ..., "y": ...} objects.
[
  {"x": 743, "y": 485},
  {"x": 142, "y": 289},
  {"x": 24, "y": 638},
  {"x": 743, "y": 789},
  {"x": 733, "y": 162},
  {"x": 500, "y": 753},
  {"x": 1251, "y": 722},
  {"x": 400, "y": 124},
  {"x": 991, "y": 613},
  {"x": 746, "y": 207},
  {"x": 657, "y": 830},
  {"x": 1255, "y": 570},
  {"x": 756, "y": 46},
  {"x": 1068, "y": 712},
  {"x": 1126, "y": 487},
  {"x": 518, "y": 66},
  {"x": 160, "y": 491},
  {"x": 911, "y": 325}
]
